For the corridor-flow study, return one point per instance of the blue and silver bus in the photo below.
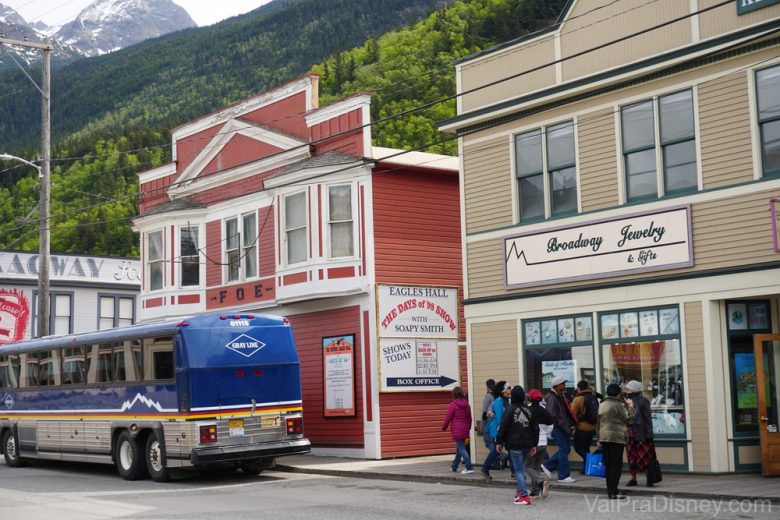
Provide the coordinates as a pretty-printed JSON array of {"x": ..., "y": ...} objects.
[{"x": 196, "y": 392}]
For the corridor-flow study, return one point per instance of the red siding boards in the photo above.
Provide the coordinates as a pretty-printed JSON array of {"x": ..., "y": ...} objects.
[
  {"x": 266, "y": 246},
  {"x": 417, "y": 230},
  {"x": 231, "y": 190},
  {"x": 286, "y": 116},
  {"x": 309, "y": 329},
  {"x": 241, "y": 294},
  {"x": 155, "y": 192},
  {"x": 346, "y": 139},
  {"x": 411, "y": 424},
  {"x": 188, "y": 148},
  {"x": 239, "y": 150},
  {"x": 213, "y": 253}
]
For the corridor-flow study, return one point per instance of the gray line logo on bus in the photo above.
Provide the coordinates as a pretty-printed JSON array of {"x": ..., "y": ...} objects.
[
  {"x": 245, "y": 345},
  {"x": 9, "y": 401}
]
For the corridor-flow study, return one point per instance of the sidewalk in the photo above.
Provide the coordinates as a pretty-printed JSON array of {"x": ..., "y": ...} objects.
[{"x": 437, "y": 469}]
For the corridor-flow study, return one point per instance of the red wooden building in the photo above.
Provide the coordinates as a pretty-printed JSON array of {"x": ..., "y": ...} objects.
[{"x": 275, "y": 205}]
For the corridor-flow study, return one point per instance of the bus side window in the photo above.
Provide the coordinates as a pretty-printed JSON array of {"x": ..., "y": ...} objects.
[
  {"x": 13, "y": 370},
  {"x": 158, "y": 359},
  {"x": 73, "y": 366},
  {"x": 125, "y": 359},
  {"x": 5, "y": 372},
  {"x": 29, "y": 370},
  {"x": 49, "y": 368},
  {"x": 99, "y": 363}
]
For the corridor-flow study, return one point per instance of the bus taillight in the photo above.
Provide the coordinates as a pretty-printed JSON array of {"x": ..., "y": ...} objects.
[
  {"x": 208, "y": 434},
  {"x": 295, "y": 426}
]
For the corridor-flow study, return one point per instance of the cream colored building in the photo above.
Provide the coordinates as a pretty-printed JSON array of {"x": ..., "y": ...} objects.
[{"x": 618, "y": 173}]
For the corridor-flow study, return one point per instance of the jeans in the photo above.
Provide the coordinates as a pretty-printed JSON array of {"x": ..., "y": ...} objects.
[
  {"x": 532, "y": 467},
  {"x": 582, "y": 441},
  {"x": 518, "y": 461},
  {"x": 492, "y": 456},
  {"x": 560, "y": 460},
  {"x": 461, "y": 453},
  {"x": 613, "y": 464}
]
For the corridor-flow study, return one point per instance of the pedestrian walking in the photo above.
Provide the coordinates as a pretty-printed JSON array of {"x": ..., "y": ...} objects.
[
  {"x": 563, "y": 424},
  {"x": 501, "y": 392},
  {"x": 585, "y": 406},
  {"x": 540, "y": 486},
  {"x": 640, "y": 448},
  {"x": 520, "y": 434},
  {"x": 458, "y": 419},
  {"x": 615, "y": 415},
  {"x": 487, "y": 401}
]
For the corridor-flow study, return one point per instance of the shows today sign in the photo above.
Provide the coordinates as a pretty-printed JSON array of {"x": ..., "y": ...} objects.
[{"x": 637, "y": 243}]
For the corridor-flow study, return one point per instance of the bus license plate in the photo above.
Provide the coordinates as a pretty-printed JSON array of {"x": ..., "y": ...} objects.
[{"x": 236, "y": 427}]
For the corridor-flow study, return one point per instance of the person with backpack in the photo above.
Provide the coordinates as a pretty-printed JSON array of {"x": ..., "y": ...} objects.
[
  {"x": 533, "y": 464},
  {"x": 586, "y": 407},
  {"x": 501, "y": 392},
  {"x": 520, "y": 434},
  {"x": 564, "y": 420}
]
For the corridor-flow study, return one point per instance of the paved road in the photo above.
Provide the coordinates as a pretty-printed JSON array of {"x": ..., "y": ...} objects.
[{"x": 65, "y": 491}]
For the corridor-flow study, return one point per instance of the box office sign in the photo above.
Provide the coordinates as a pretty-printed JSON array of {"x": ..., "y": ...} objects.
[
  {"x": 418, "y": 364},
  {"x": 637, "y": 243},
  {"x": 417, "y": 312}
]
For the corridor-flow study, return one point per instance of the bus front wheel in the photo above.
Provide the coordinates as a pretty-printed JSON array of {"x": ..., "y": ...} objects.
[
  {"x": 154, "y": 459},
  {"x": 11, "y": 450},
  {"x": 129, "y": 459}
]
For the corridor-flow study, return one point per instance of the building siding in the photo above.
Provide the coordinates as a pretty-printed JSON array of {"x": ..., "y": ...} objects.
[
  {"x": 308, "y": 330},
  {"x": 487, "y": 182},
  {"x": 724, "y": 120},
  {"x": 214, "y": 253},
  {"x": 697, "y": 416},
  {"x": 722, "y": 20},
  {"x": 598, "y": 160}
]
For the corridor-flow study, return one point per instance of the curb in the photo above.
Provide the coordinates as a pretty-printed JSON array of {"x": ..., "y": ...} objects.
[{"x": 634, "y": 492}]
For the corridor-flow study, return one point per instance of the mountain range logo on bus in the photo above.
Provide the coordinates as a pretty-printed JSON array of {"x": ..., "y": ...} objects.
[
  {"x": 245, "y": 345},
  {"x": 127, "y": 405}
]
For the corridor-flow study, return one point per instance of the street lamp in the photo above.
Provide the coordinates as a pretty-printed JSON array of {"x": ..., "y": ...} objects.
[{"x": 44, "y": 253}]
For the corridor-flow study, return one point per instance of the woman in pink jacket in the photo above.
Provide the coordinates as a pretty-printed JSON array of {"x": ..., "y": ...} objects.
[{"x": 459, "y": 416}]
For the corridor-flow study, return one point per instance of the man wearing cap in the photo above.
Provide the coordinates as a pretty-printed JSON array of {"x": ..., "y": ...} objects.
[{"x": 563, "y": 423}]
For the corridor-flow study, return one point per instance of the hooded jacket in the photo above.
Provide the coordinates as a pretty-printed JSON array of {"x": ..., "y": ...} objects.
[
  {"x": 543, "y": 419},
  {"x": 556, "y": 405},
  {"x": 614, "y": 419},
  {"x": 518, "y": 430},
  {"x": 459, "y": 416}
]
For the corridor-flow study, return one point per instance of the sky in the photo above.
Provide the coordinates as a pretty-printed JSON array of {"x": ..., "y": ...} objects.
[{"x": 58, "y": 12}]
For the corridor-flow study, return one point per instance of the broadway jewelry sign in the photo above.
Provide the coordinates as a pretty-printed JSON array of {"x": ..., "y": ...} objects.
[{"x": 643, "y": 242}]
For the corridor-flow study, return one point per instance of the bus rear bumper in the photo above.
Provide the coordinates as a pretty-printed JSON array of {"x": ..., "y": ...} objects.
[{"x": 215, "y": 454}]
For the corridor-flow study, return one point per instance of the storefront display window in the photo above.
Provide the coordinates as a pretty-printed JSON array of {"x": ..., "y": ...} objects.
[
  {"x": 558, "y": 346},
  {"x": 743, "y": 319},
  {"x": 644, "y": 345}
]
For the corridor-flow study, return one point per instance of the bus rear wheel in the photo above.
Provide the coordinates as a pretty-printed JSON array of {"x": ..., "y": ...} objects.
[
  {"x": 128, "y": 458},
  {"x": 11, "y": 451},
  {"x": 154, "y": 459},
  {"x": 251, "y": 467}
]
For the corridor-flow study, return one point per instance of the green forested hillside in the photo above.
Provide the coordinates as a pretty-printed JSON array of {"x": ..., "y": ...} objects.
[{"x": 106, "y": 136}]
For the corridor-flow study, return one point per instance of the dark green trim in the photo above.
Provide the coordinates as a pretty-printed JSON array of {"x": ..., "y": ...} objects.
[
  {"x": 630, "y": 283},
  {"x": 756, "y": 31}
]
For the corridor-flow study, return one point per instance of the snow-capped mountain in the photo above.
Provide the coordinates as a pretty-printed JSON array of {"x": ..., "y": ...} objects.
[
  {"x": 109, "y": 25},
  {"x": 104, "y": 26}
]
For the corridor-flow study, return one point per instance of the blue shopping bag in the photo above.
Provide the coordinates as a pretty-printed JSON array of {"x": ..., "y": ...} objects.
[{"x": 594, "y": 464}]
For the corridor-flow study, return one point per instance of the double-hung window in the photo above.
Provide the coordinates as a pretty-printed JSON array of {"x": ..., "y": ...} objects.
[
  {"x": 546, "y": 172},
  {"x": 189, "y": 257},
  {"x": 768, "y": 89},
  {"x": 241, "y": 247},
  {"x": 340, "y": 221},
  {"x": 295, "y": 228},
  {"x": 673, "y": 146},
  {"x": 115, "y": 311},
  {"x": 155, "y": 260},
  {"x": 60, "y": 313}
]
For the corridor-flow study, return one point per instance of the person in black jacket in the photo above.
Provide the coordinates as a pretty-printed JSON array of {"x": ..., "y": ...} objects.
[
  {"x": 640, "y": 447},
  {"x": 520, "y": 434}
]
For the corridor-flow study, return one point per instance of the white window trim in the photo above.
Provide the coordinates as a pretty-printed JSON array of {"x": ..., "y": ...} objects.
[
  {"x": 179, "y": 255},
  {"x": 326, "y": 218},
  {"x": 283, "y": 226},
  {"x": 239, "y": 218},
  {"x": 148, "y": 263}
]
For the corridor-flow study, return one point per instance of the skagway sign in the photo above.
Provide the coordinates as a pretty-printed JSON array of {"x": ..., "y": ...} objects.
[
  {"x": 642, "y": 242},
  {"x": 24, "y": 266}
]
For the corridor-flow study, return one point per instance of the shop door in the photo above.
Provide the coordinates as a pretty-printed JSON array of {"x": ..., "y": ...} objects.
[{"x": 767, "y": 351}]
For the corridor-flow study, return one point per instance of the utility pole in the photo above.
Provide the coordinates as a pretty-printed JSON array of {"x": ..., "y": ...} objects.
[{"x": 44, "y": 242}]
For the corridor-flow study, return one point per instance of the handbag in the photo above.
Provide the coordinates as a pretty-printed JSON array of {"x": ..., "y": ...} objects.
[{"x": 594, "y": 464}]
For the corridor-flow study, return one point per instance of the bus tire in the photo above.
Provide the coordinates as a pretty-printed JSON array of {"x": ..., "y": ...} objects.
[
  {"x": 128, "y": 457},
  {"x": 11, "y": 450},
  {"x": 155, "y": 463},
  {"x": 251, "y": 467}
]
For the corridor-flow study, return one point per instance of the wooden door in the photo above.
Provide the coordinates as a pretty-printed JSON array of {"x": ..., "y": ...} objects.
[{"x": 767, "y": 352}]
